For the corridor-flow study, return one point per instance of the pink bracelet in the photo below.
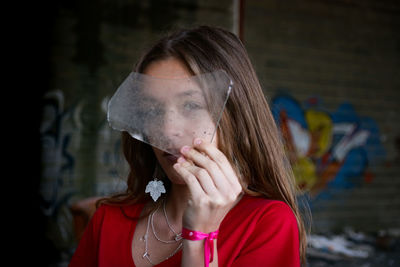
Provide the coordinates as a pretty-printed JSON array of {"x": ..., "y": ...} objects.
[{"x": 208, "y": 244}]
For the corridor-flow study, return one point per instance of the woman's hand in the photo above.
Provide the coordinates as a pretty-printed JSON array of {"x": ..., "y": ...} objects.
[{"x": 213, "y": 184}]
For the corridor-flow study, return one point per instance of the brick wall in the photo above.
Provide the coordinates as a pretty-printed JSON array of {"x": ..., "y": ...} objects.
[{"x": 333, "y": 69}]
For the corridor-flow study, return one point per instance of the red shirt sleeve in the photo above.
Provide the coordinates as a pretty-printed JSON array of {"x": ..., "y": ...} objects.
[
  {"x": 86, "y": 253},
  {"x": 274, "y": 241}
]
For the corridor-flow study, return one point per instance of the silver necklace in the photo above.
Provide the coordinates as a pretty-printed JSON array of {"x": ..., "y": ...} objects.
[
  {"x": 177, "y": 237},
  {"x": 146, "y": 254}
]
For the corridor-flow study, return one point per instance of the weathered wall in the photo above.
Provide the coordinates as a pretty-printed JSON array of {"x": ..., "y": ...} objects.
[
  {"x": 332, "y": 71},
  {"x": 94, "y": 47}
]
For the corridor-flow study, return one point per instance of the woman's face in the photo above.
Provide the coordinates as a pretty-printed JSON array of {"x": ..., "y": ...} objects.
[{"x": 181, "y": 115}]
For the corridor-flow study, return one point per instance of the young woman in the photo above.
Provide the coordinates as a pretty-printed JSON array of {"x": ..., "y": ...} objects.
[{"x": 231, "y": 202}]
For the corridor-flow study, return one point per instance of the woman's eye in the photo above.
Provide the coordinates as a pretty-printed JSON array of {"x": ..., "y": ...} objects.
[
  {"x": 153, "y": 112},
  {"x": 192, "y": 106}
]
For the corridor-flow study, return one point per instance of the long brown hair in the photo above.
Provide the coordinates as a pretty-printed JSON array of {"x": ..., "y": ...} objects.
[{"x": 247, "y": 133}]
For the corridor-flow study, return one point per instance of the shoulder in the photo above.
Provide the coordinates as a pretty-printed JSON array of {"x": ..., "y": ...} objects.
[
  {"x": 274, "y": 218},
  {"x": 260, "y": 232},
  {"x": 265, "y": 215},
  {"x": 271, "y": 220},
  {"x": 116, "y": 213},
  {"x": 257, "y": 212},
  {"x": 265, "y": 207}
]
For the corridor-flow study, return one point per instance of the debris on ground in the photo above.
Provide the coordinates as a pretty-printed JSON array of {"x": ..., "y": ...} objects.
[{"x": 351, "y": 248}]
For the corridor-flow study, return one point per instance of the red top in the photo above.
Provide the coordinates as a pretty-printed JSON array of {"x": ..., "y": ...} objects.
[{"x": 256, "y": 232}]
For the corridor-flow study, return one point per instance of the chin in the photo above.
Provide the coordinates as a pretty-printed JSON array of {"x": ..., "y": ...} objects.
[
  {"x": 167, "y": 162},
  {"x": 175, "y": 178}
]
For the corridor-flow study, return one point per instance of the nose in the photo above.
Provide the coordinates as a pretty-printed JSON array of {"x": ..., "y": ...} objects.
[{"x": 173, "y": 125}]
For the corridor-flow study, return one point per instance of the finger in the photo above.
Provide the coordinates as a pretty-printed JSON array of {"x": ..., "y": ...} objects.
[
  {"x": 204, "y": 178},
  {"x": 190, "y": 180},
  {"x": 220, "y": 159},
  {"x": 203, "y": 161}
]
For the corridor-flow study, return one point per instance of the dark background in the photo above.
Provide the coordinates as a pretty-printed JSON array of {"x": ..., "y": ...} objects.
[{"x": 340, "y": 51}]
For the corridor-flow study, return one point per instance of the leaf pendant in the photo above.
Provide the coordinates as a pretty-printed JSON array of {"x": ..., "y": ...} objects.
[{"x": 155, "y": 188}]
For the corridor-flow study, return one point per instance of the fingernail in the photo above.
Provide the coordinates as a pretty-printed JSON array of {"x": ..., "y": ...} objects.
[
  {"x": 176, "y": 165},
  {"x": 181, "y": 159},
  {"x": 185, "y": 149},
  {"x": 197, "y": 141}
]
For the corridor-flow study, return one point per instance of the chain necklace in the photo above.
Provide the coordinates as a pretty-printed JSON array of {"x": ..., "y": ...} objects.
[{"x": 177, "y": 238}]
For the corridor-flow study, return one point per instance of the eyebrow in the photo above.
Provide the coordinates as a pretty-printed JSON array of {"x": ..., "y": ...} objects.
[
  {"x": 190, "y": 93},
  {"x": 149, "y": 99}
]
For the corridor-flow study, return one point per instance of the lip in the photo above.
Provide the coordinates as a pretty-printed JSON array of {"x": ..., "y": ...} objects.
[{"x": 171, "y": 158}]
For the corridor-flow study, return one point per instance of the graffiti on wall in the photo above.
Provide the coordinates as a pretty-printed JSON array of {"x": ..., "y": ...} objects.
[
  {"x": 62, "y": 137},
  {"x": 58, "y": 130},
  {"x": 327, "y": 149}
]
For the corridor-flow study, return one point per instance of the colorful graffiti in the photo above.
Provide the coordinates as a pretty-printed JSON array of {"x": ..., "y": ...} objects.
[{"x": 327, "y": 149}]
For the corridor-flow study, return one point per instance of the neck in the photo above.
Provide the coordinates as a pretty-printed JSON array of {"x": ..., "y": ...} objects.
[{"x": 176, "y": 203}]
